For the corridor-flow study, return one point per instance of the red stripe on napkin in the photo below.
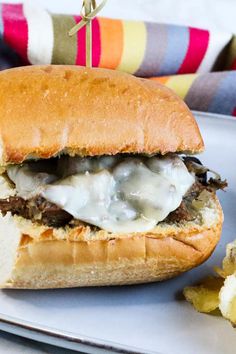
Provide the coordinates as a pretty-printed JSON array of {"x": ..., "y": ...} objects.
[
  {"x": 96, "y": 42},
  {"x": 234, "y": 65},
  {"x": 15, "y": 29},
  {"x": 198, "y": 43},
  {"x": 81, "y": 47},
  {"x": 234, "y": 112},
  {"x": 81, "y": 43}
]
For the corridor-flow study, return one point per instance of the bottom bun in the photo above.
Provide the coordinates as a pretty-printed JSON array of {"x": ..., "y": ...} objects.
[{"x": 38, "y": 257}]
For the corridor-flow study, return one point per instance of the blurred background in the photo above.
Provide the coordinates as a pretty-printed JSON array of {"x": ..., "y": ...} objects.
[{"x": 210, "y": 14}]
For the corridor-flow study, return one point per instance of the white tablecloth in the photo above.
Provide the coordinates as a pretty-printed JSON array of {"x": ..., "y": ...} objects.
[{"x": 212, "y": 14}]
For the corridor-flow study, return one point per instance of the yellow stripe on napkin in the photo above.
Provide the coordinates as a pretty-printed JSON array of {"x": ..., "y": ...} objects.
[
  {"x": 135, "y": 36},
  {"x": 181, "y": 83}
]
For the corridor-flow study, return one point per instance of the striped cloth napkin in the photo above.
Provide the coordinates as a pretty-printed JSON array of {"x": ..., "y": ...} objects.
[{"x": 198, "y": 64}]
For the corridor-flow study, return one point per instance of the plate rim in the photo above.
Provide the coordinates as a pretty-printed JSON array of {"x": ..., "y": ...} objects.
[
  {"x": 214, "y": 115},
  {"x": 66, "y": 339},
  {"x": 24, "y": 327}
]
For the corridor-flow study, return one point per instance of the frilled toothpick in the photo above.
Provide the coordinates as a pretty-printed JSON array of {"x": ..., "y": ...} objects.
[{"x": 89, "y": 10}]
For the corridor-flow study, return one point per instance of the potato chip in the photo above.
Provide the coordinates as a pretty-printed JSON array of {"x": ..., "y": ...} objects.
[
  {"x": 219, "y": 291},
  {"x": 227, "y": 298},
  {"x": 205, "y": 297},
  {"x": 219, "y": 271},
  {"x": 229, "y": 262}
]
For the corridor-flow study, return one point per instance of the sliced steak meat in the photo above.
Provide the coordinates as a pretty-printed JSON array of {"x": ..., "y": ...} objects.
[
  {"x": 15, "y": 205},
  {"x": 195, "y": 166},
  {"x": 51, "y": 214},
  {"x": 37, "y": 209},
  {"x": 40, "y": 210},
  {"x": 183, "y": 213},
  {"x": 186, "y": 212}
]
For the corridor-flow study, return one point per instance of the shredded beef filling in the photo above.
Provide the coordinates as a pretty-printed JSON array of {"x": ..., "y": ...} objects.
[
  {"x": 36, "y": 209},
  {"x": 40, "y": 210}
]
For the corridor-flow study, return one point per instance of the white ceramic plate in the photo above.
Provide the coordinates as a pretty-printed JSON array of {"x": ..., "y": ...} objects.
[{"x": 151, "y": 318}]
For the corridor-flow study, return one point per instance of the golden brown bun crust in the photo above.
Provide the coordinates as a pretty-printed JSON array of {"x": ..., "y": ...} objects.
[
  {"x": 85, "y": 258},
  {"x": 47, "y": 110}
]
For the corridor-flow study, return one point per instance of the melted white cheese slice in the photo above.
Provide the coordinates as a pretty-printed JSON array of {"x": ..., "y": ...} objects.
[{"x": 118, "y": 194}]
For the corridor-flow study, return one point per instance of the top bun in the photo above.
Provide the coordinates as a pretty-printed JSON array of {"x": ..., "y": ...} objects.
[{"x": 49, "y": 110}]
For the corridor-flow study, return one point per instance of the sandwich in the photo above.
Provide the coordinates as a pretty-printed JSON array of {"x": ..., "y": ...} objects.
[{"x": 98, "y": 184}]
